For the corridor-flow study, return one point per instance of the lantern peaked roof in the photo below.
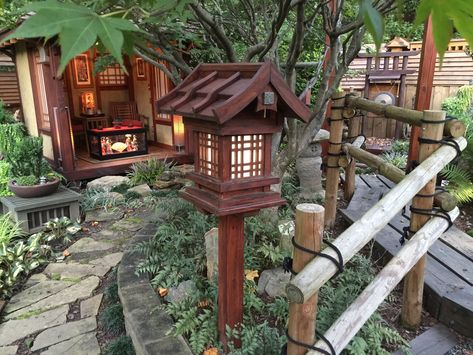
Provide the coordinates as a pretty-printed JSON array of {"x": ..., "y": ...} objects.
[{"x": 218, "y": 92}]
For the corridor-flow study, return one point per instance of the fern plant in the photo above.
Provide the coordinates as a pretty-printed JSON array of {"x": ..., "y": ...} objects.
[{"x": 460, "y": 182}]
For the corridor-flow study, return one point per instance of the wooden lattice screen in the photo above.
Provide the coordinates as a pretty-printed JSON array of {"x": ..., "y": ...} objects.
[
  {"x": 112, "y": 76},
  {"x": 207, "y": 160},
  {"x": 247, "y": 156}
]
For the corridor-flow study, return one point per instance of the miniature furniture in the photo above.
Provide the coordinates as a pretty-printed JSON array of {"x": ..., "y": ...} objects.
[
  {"x": 32, "y": 213},
  {"x": 126, "y": 112},
  {"x": 232, "y": 111},
  {"x": 117, "y": 142}
]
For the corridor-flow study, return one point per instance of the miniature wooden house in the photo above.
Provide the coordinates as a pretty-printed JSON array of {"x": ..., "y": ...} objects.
[{"x": 231, "y": 112}]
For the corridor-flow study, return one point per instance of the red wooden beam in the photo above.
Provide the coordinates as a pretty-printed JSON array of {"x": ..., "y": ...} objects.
[{"x": 425, "y": 82}]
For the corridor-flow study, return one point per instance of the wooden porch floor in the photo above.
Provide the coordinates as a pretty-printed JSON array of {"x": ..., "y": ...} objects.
[
  {"x": 448, "y": 288},
  {"x": 89, "y": 168}
]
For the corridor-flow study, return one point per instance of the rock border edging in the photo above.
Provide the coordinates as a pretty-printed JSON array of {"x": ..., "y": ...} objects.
[{"x": 145, "y": 323}]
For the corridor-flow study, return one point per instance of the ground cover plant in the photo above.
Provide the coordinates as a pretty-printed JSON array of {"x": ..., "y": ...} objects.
[
  {"x": 177, "y": 253},
  {"x": 459, "y": 174}
]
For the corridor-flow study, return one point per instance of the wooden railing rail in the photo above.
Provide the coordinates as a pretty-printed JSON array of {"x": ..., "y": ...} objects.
[
  {"x": 453, "y": 128},
  {"x": 350, "y": 322},
  {"x": 353, "y": 239}
]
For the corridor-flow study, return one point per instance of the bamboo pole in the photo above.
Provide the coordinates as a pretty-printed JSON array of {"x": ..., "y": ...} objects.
[
  {"x": 353, "y": 239},
  {"x": 349, "y": 184},
  {"x": 350, "y": 322},
  {"x": 414, "y": 282},
  {"x": 453, "y": 128},
  {"x": 309, "y": 232},
  {"x": 334, "y": 149},
  {"x": 444, "y": 200}
]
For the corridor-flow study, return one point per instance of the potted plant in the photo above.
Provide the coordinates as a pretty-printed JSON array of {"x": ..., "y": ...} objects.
[{"x": 32, "y": 175}]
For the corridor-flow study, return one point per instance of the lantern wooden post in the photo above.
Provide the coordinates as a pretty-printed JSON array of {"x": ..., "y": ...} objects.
[
  {"x": 414, "y": 280},
  {"x": 309, "y": 233},
  {"x": 233, "y": 109},
  {"x": 230, "y": 274},
  {"x": 334, "y": 149}
]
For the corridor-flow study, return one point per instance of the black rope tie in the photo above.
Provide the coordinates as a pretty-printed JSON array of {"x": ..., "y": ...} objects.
[
  {"x": 448, "y": 118},
  {"x": 438, "y": 190},
  {"x": 310, "y": 346},
  {"x": 433, "y": 212},
  {"x": 446, "y": 141},
  {"x": 287, "y": 263}
]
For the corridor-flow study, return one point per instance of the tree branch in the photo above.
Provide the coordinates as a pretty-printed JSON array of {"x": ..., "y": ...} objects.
[{"x": 216, "y": 31}]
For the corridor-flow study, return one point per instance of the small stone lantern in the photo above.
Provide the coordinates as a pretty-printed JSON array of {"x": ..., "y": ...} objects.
[{"x": 231, "y": 112}]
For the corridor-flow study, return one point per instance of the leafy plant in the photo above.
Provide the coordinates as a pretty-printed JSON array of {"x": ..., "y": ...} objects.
[
  {"x": 4, "y": 179},
  {"x": 62, "y": 229},
  {"x": 147, "y": 172},
  {"x": 93, "y": 199},
  {"x": 28, "y": 180},
  {"x": 459, "y": 183},
  {"x": 18, "y": 256},
  {"x": 111, "y": 293},
  {"x": 113, "y": 320},
  {"x": 395, "y": 158},
  {"x": 120, "y": 346}
]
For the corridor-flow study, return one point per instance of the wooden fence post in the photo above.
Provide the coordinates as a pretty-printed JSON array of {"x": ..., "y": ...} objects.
[
  {"x": 309, "y": 232},
  {"x": 349, "y": 185},
  {"x": 414, "y": 280},
  {"x": 334, "y": 149}
]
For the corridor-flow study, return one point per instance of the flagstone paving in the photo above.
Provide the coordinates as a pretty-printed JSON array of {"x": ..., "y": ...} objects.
[{"x": 42, "y": 311}]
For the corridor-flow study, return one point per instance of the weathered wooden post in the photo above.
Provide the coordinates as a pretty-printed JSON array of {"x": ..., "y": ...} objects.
[
  {"x": 353, "y": 131},
  {"x": 432, "y": 129},
  {"x": 232, "y": 111},
  {"x": 334, "y": 151},
  {"x": 308, "y": 234}
]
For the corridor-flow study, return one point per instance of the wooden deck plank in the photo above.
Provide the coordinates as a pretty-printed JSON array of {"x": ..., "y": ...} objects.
[
  {"x": 449, "y": 272},
  {"x": 435, "y": 341}
]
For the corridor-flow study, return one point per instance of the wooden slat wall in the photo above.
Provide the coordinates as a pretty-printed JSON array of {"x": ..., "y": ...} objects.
[{"x": 9, "y": 91}]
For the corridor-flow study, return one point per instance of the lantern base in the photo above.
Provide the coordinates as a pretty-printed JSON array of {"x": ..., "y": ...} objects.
[{"x": 248, "y": 202}]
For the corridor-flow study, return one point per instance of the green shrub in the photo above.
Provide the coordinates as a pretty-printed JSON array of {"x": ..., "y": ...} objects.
[
  {"x": 113, "y": 320},
  {"x": 131, "y": 195},
  {"x": 147, "y": 172},
  {"x": 111, "y": 293},
  {"x": 398, "y": 159},
  {"x": 120, "y": 346},
  {"x": 6, "y": 116},
  {"x": 4, "y": 179},
  {"x": 28, "y": 180}
]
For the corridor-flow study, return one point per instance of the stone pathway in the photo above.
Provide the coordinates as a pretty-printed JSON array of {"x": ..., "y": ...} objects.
[{"x": 42, "y": 316}]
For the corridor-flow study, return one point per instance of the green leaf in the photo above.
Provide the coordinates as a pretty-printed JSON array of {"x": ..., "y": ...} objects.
[
  {"x": 373, "y": 20},
  {"x": 78, "y": 28}
]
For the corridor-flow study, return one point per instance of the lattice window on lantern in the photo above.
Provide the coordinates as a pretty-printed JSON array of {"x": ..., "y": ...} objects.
[
  {"x": 207, "y": 160},
  {"x": 247, "y": 156},
  {"x": 112, "y": 76}
]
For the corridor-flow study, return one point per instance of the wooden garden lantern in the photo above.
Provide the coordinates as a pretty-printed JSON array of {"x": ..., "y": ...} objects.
[{"x": 232, "y": 111}]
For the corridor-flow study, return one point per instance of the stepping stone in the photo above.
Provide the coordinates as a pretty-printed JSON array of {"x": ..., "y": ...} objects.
[
  {"x": 437, "y": 340},
  {"x": 8, "y": 350},
  {"x": 90, "y": 307},
  {"x": 128, "y": 225},
  {"x": 13, "y": 330},
  {"x": 107, "y": 183},
  {"x": 82, "y": 289},
  {"x": 109, "y": 260},
  {"x": 86, "y": 245},
  {"x": 63, "y": 332},
  {"x": 85, "y": 344},
  {"x": 75, "y": 271},
  {"x": 103, "y": 216},
  {"x": 143, "y": 190},
  {"x": 35, "y": 294},
  {"x": 35, "y": 279}
]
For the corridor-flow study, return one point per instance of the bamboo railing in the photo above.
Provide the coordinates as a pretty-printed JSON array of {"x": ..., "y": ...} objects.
[{"x": 418, "y": 186}]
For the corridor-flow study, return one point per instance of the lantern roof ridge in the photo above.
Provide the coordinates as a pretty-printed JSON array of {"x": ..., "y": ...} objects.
[{"x": 217, "y": 92}]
